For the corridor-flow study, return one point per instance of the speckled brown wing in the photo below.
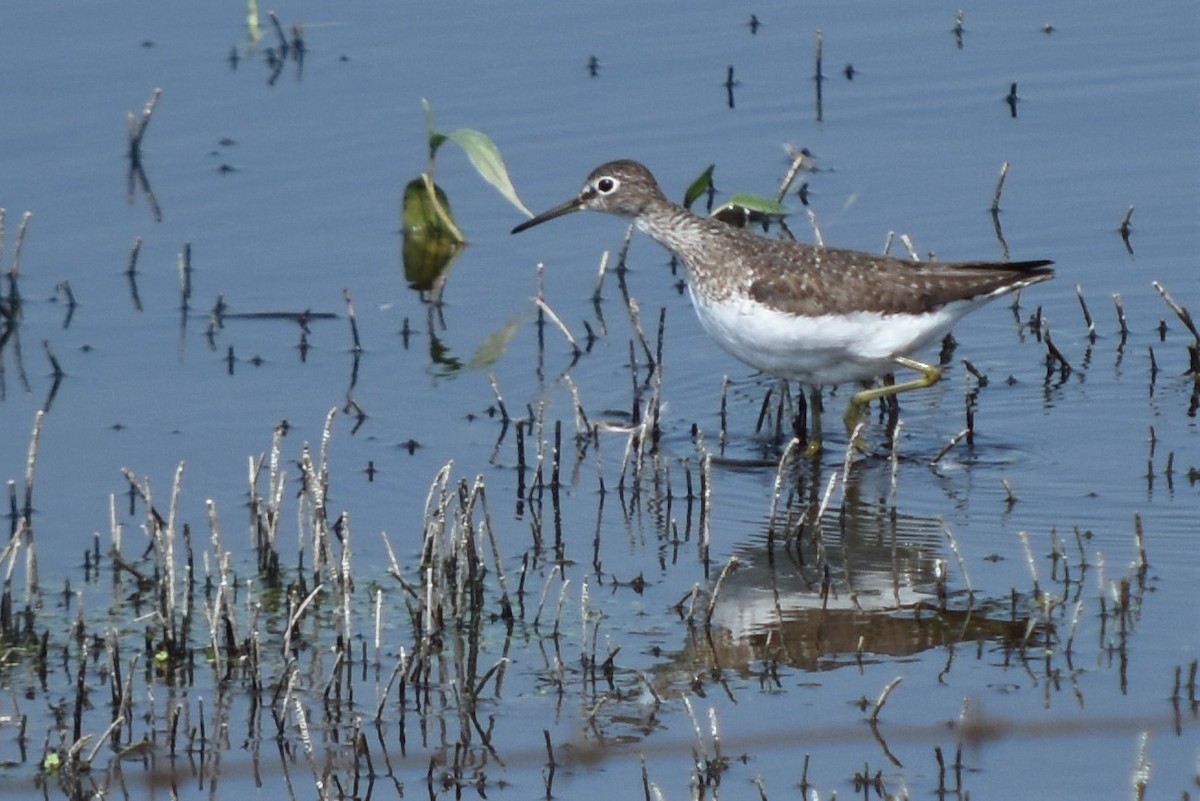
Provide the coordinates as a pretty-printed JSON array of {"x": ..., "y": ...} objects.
[{"x": 832, "y": 281}]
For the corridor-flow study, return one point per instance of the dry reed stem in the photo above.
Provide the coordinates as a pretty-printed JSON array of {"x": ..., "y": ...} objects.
[
  {"x": 730, "y": 567},
  {"x": 995, "y": 207},
  {"x": 35, "y": 438},
  {"x": 138, "y": 125},
  {"x": 556, "y": 570},
  {"x": 958, "y": 557},
  {"x": 1030, "y": 562},
  {"x": 353, "y": 321},
  {"x": 1120, "y": 307},
  {"x": 895, "y": 463},
  {"x": 499, "y": 397},
  {"x": 554, "y": 318},
  {"x": 799, "y": 161},
  {"x": 1182, "y": 313},
  {"x": 600, "y": 273},
  {"x": 883, "y": 698},
  {"x": 818, "y": 240},
  {"x": 782, "y": 470},
  {"x": 1087, "y": 315},
  {"x": 294, "y": 619},
  {"x": 949, "y": 446}
]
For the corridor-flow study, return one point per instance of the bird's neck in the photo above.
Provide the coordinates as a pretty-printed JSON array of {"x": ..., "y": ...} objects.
[{"x": 693, "y": 240}]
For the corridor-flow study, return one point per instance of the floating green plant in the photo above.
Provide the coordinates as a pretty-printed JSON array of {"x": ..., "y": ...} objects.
[
  {"x": 740, "y": 209},
  {"x": 484, "y": 157}
]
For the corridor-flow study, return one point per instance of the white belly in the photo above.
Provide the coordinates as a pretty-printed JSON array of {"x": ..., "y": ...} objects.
[{"x": 825, "y": 350}]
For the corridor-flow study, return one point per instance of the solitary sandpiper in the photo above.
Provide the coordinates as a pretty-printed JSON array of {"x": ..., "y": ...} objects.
[{"x": 815, "y": 315}]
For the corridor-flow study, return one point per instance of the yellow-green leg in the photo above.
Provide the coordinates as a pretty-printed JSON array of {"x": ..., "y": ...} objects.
[
  {"x": 929, "y": 377},
  {"x": 813, "y": 449}
]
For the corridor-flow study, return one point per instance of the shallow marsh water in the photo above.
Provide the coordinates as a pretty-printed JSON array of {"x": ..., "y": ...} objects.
[{"x": 319, "y": 155}]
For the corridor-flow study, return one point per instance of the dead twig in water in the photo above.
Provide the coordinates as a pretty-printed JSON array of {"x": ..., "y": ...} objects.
[
  {"x": 883, "y": 698},
  {"x": 995, "y": 207},
  {"x": 138, "y": 125},
  {"x": 1087, "y": 315}
]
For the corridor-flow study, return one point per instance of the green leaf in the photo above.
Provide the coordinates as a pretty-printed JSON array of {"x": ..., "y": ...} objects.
[
  {"x": 759, "y": 205},
  {"x": 485, "y": 157},
  {"x": 699, "y": 187},
  {"x": 742, "y": 209}
]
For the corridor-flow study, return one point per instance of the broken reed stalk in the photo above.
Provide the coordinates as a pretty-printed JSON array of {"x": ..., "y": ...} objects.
[
  {"x": 958, "y": 557},
  {"x": 819, "y": 75},
  {"x": 1054, "y": 354},
  {"x": 353, "y": 321},
  {"x": 600, "y": 273},
  {"x": 399, "y": 670},
  {"x": 1075, "y": 618},
  {"x": 294, "y": 619},
  {"x": 346, "y": 578},
  {"x": 730, "y": 567},
  {"x": 35, "y": 438},
  {"x": 818, "y": 240},
  {"x": 562, "y": 602},
  {"x": 551, "y": 765},
  {"x": 283, "y": 40},
  {"x": 1029, "y": 561},
  {"x": 135, "y": 251},
  {"x": 894, "y": 458},
  {"x": 995, "y": 207},
  {"x": 583, "y": 428},
  {"x": 800, "y": 161},
  {"x": 790, "y": 453},
  {"x": 1181, "y": 312},
  {"x": 222, "y": 605},
  {"x": 1120, "y": 308},
  {"x": 137, "y": 126},
  {"x": 827, "y": 496},
  {"x": 883, "y": 698},
  {"x": 635, "y": 318},
  {"x": 185, "y": 275},
  {"x": 554, "y": 571},
  {"x": 499, "y": 397},
  {"x": 715, "y": 732},
  {"x": 554, "y": 318},
  {"x": 585, "y": 614},
  {"x": 477, "y": 492},
  {"x": 1139, "y": 537},
  {"x": 1125, "y": 227},
  {"x": 14, "y": 271},
  {"x": 1087, "y": 315}
]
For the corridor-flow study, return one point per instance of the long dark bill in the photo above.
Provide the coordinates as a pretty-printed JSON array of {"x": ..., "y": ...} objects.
[{"x": 574, "y": 204}]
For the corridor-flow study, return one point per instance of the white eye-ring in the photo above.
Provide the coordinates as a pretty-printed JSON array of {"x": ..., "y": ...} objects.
[{"x": 606, "y": 185}]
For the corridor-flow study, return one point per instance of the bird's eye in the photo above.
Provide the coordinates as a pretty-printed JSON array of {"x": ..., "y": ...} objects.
[{"x": 607, "y": 185}]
